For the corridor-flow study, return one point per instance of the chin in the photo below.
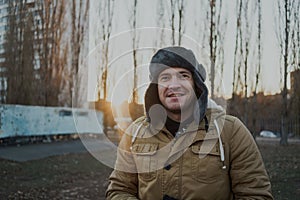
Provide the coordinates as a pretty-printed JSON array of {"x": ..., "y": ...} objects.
[
  {"x": 175, "y": 111},
  {"x": 174, "y": 108}
]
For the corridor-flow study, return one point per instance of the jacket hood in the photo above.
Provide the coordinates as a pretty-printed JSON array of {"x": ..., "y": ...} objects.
[
  {"x": 214, "y": 112},
  {"x": 216, "y": 117}
]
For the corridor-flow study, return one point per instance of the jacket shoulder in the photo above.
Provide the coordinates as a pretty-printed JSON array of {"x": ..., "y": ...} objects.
[
  {"x": 233, "y": 126},
  {"x": 230, "y": 119},
  {"x": 233, "y": 122},
  {"x": 140, "y": 120},
  {"x": 135, "y": 127}
]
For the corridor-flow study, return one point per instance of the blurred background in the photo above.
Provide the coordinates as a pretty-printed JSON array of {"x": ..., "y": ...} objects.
[
  {"x": 94, "y": 55},
  {"x": 70, "y": 67}
]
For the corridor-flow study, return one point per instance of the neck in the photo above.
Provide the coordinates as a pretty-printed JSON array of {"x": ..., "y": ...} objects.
[{"x": 178, "y": 117}]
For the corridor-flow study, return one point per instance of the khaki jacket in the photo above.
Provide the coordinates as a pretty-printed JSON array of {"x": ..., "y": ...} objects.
[{"x": 222, "y": 163}]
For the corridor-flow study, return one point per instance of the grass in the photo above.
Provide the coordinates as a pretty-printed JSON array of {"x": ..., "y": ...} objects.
[
  {"x": 283, "y": 166},
  {"x": 73, "y": 176}
]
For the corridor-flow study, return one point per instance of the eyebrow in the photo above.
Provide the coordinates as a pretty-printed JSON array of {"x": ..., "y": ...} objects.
[
  {"x": 184, "y": 72},
  {"x": 164, "y": 74},
  {"x": 179, "y": 72}
]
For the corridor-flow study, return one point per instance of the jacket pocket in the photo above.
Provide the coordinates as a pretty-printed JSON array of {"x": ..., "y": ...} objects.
[
  {"x": 206, "y": 161},
  {"x": 146, "y": 161}
]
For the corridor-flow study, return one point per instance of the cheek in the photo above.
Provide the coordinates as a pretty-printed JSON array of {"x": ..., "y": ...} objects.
[
  {"x": 190, "y": 87},
  {"x": 187, "y": 85},
  {"x": 161, "y": 92}
]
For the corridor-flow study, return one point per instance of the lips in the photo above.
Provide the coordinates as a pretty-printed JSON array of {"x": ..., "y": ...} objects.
[{"x": 172, "y": 94}]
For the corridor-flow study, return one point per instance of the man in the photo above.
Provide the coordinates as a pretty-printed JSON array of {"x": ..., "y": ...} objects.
[{"x": 186, "y": 147}]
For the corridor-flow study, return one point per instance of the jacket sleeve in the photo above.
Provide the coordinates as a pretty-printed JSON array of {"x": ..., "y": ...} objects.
[
  {"x": 123, "y": 180},
  {"x": 122, "y": 186},
  {"x": 248, "y": 174}
]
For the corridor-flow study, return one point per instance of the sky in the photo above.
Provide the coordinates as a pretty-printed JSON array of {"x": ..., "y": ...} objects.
[
  {"x": 148, "y": 31},
  {"x": 270, "y": 81}
]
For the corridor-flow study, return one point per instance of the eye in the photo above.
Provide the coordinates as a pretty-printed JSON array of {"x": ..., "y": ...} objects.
[
  {"x": 184, "y": 76},
  {"x": 164, "y": 78}
]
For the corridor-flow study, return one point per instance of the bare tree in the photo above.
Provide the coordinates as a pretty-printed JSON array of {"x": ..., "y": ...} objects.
[
  {"x": 237, "y": 59},
  {"x": 177, "y": 6},
  {"x": 134, "y": 53},
  {"x": 246, "y": 37},
  {"x": 295, "y": 35},
  {"x": 172, "y": 2},
  {"x": 27, "y": 63},
  {"x": 134, "y": 106},
  {"x": 19, "y": 57},
  {"x": 241, "y": 82},
  {"x": 222, "y": 20},
  {"x": 161, "y": 22},
  {"x": 51, "y": 56},
  {"x": 295, "y": 98},
  {"x": 212, "y": 45},
  {"x": 217, "y": 23},
  {"x": 10, "y": 47},
  {"x": 180, "y": 20},
  {"x": 286, "y": 23},
  {"x": 34, "y": 51},
  {"x": 258, "y": 69},
  {"x": 287, "y": 16},
  {"x": 79, "y": 18},
  {"x": 106, "y": 13},
  {"x": 259, "y": 48},
  {"x": 106, "y": 22}
]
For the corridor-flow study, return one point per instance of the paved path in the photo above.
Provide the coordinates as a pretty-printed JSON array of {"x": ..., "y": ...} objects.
[
  {"x": 28, "y": 152},
  {"x": 277, "y": 140}
]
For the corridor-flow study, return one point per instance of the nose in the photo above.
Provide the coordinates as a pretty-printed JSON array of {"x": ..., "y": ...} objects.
[{"x": 174, "y": 83}]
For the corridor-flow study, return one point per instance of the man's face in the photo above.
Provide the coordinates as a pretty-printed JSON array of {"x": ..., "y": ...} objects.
[{"x": 176, "y": 90}]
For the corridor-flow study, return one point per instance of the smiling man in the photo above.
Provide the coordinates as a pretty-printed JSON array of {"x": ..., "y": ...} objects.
[
  {"x": 186, "y": 147},
  {"x": 176, "y": 92}
]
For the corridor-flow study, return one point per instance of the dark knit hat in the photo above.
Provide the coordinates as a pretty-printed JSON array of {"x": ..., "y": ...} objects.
[{"x": 176, "y": 57}]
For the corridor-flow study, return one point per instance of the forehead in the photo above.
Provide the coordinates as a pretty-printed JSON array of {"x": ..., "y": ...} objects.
[{"x": 172, "y": 70}]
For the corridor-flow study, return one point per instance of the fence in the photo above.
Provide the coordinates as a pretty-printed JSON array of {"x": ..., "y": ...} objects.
[{"x": 275, "y": 125}]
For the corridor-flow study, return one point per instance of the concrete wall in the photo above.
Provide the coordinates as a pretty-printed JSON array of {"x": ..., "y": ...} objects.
[{"x": 17, "y": 120}]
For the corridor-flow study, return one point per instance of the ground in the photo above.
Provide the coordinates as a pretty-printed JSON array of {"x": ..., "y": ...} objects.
[
  {"x": 283, "y": 166},
  {"x": 80, "y": 176}
]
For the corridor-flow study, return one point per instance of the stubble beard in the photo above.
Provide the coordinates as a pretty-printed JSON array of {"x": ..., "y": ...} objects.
[{"x": 188, "y": 107}]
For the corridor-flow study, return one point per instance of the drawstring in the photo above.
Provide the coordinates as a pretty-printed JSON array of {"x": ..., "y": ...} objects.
[
  {"x": 220, "y": 144},
  {"x": 136, "y": 133}
]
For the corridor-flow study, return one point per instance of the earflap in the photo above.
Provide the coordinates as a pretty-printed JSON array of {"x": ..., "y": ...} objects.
[
  {"x": 202, "y": 97},
  {"x": 151, "y": 98}
]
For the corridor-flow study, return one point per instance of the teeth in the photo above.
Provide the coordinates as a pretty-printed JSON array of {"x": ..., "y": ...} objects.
[{"x": 175, "y": 95}]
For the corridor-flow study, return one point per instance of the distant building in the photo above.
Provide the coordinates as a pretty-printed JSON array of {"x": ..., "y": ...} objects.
[
  {"x": 295, "y": 82},
  {"x": 3, "y": 27},
  {"x": 4, "y": 20},
  {"x": 295, "y": 101},
  {"x": 295, "y": 92},
  {"x": 266, "y": 110}
]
